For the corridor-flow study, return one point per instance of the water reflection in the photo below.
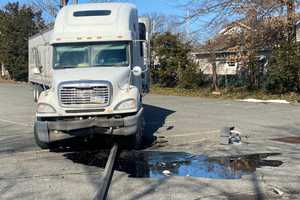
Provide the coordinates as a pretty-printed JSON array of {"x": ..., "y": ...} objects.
[{"x": 152, "y": 164}]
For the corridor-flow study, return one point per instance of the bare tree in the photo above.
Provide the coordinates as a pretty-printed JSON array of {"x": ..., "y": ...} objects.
[
  {"x": 50, "y": 7},
  {"x": 212, "y": 61},
  {"x": 215, "y": 14},
  {"x": 291, "y": 8},
  {"x": 158, "y": 21},
  {"x": 165, "y": 23},
  {"x": 257, "y": 15},
  {"x": 223, "y": 11}
]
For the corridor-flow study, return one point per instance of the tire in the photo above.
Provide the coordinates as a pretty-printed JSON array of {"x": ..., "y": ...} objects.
[
  {"x": 138, "y": 137},
  {"x": 42, "y": 145}
]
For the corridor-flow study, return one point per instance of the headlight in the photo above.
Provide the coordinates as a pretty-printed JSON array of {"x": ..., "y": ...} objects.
[
  {"x": 126, "y": 105},
  {"x": 45, "y": 108}
]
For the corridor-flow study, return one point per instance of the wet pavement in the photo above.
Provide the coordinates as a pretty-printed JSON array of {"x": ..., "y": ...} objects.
[{"x": 159, "y": 164}]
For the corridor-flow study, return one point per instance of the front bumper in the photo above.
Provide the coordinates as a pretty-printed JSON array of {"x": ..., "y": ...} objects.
[{"x": 115, "y": 126}]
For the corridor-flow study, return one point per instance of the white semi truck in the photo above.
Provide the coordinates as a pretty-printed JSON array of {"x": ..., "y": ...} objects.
[{"x": 89, "y": 73}]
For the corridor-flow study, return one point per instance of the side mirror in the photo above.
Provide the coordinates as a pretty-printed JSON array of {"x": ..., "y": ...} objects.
[
  {"x": 36, "y": 70},
  {"x": 137, "y": 71}
]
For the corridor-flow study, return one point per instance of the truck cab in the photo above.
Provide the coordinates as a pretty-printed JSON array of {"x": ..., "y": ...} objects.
[{"x": 92, "y": 73}]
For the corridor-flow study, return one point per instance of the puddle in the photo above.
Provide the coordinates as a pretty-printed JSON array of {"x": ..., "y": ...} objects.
[
  {"x": 291, "y": 140},
  {"x": 152, "y": 164}
]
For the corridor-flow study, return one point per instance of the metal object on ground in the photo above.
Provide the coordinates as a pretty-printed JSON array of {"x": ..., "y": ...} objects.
[
  {"x": 225, "y": 134},
  {"x": 101, "y": 194},
  {"x": 235, "y": 139},
  {"x": 229, "y": 135}
]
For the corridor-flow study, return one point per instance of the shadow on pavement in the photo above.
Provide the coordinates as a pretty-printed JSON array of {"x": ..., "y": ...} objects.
[
  {"x": 94, "y": 151},
  {"x": 155, "y": 118}
]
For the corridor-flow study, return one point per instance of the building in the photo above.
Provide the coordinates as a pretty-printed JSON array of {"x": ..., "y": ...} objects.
[
  {"x": 224, "y": 65},
  {"x": 227, "y": 62},
  {"x": 231, "y": 46}
]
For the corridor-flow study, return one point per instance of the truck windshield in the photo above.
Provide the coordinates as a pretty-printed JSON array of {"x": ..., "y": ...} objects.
[{"x": 91, "y": 55}]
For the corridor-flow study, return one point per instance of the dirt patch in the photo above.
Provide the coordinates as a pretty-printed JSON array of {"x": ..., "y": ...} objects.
[
  {"x": 7, "y": 81},
  {"x": 290, "y": 140}
]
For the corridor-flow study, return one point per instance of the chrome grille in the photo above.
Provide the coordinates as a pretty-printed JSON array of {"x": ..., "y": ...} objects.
[{"x": 77, "y": 95}]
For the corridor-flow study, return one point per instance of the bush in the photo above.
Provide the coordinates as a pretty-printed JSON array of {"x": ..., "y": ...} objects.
[
  {"x": 284, "y": 72},
  {"x": 175, "y": 68},
  {"x": 17, "y": 24},
  {"x": 189, "y": 78}
]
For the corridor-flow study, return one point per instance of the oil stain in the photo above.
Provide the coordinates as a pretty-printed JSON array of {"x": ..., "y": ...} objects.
[
  {"x": 291, "y": 140},
  {"x": 153, "y": 164}
]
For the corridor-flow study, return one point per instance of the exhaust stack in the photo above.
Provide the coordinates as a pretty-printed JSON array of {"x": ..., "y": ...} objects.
[{"x": 65, "y": 2}]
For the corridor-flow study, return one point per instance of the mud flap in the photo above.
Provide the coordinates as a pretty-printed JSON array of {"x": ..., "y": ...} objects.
[{"x": 42, "y": 131}]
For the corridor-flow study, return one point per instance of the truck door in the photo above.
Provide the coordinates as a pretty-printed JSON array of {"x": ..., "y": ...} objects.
[
  {"x": 48, "y": 64},
  {"x": 145, "y": 54}
]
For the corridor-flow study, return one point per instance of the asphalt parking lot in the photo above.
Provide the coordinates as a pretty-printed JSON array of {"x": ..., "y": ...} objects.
[{"x": 183, "y": 127}]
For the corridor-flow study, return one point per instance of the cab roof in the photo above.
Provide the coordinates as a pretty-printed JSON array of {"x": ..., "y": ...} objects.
[{"x": 95, "y": 21}]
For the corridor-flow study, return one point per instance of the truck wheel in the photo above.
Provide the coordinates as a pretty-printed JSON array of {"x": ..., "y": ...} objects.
[
  {"x": 138, "y": 137},
  {"x": 42, "y": 145}
]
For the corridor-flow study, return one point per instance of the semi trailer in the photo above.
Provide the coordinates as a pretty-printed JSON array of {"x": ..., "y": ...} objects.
[{"x": 89, "y": 73}]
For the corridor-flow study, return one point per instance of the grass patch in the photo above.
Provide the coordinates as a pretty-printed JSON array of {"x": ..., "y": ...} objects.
[{"x": 233, "y": 93}]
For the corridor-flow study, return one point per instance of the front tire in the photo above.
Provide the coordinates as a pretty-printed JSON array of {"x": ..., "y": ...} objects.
[
  {"x": 138, "y": 137},
  {"x": 41, "y": 144}
]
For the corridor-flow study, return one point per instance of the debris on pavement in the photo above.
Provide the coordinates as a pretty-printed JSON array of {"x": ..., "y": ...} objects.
[
  {"x": 277, "y": 191},
  {"x": 217, "y": 93},
  {"x": 235, "y": 137},
  {"x": 166, "y": 172},
  {"x": 229, "y": 135},
  {"x": 224, "y": 135}
]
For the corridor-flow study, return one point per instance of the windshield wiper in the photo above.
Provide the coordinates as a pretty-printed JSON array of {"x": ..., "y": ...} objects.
[
  {"x": 65, "y": 67},
  {"x": 110, "y": 65}
]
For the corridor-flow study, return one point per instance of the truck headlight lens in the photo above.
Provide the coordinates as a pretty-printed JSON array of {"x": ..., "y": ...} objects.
[
  {"x": 126, "y": 105},
  {"x": 45, "y": 108}
]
